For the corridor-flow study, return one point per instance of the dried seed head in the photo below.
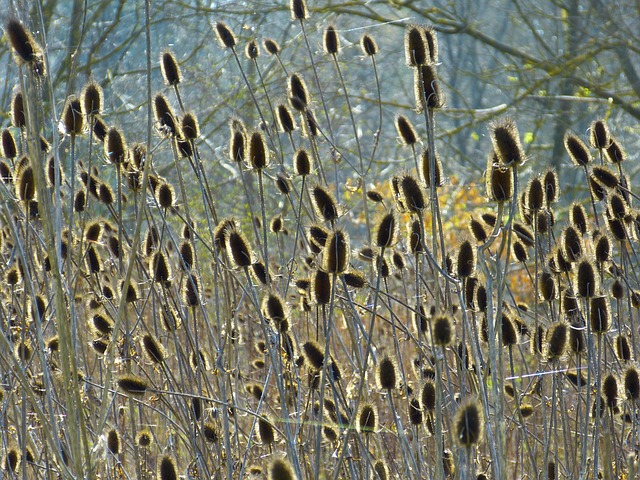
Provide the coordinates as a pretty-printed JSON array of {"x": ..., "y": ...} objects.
[
  {"x": 577, "y": 150},
  {"x": 72, "y": 118},
  {"x": 617, "y": 289},
  {"x": 92, "y": 99},
  {"x": 238, "y": 142},
  {"x": 189, "y": 126},
  {"x": 18, "y": 115},
  {"x": 337, "y": 252},
  {"x": 632, "y": 384},
  {"x": 432, "y": 43},
  {"x": 571, "y": 241},
  {"x": 398, "y": 260},
  {"x": 8, "y": 145},
  {"x": 271, "y": 46},
  {"x": 237, "y": 247},
  {"x": 415, "y": 234},
  {"x": 190, "y": 291},
  {"x": 324, "y": 203},
  {"x": 387, "y": 375},
  {"x": 425, "y": 168},
  {"x": 321, "y": 287},
  {"x": 132, "y": 385},
  {"x": 170, "y": 68},
  {"x": 428, "y": 396},
  {"x": 226, "y": 38},
  {"x": 280, "y": 469},
  {"x": 113, "y": 441},
  {"x": 367, "y": 418},
  {"x": 167, "y": 469},
  {"x": 387, "y": 231},
  {"x": 251, "y": 50},
  {"x": 577, "y": 343},
  {"x": 578, "y": 218},
  {"x": 603, "y": 249},
  {"x": 614, "y": 152},
  {"x": 25, "y": 48},
  {"x": 318, "y": 235},
  {"x": 623, "y": 348},
  {"x": 466, "y": 259},
  {"x": 604, "y": 177},
  {"x": 599, "y": 134},
  {"x": 258, "y": 151},
  {"x": 313, "y": 354},
  {"x": 354, "y": 279},
  {"x": 165, "y": 195},
  {"x": 368, "y": 45},
  {"x": 25, "y": 184},
  {"x": 547, "y": 287},
  {"x": 298, "y": 93},
  {"x": 165, "y": 117},
  {"x": 411, "y": 193},
  {"x": 416, "y": 48},
  {"x": 535, "y": 195},
  {"x": 153, "y": 349},
  {"x": 426, "y": 88},
  {"x": 144, "y": 438},
  {"x": 406, "y": 132},
  {"x": 160, "y": 268},
  {"x": 617, "y": 206},
  {"x": 302, "y": 163},
  {"x": 610, "y": 390},
  {"x": 587, "y": 280},
  {"x": 283, "y": 183},
  {"x": 499, "y": 180},
  {"x": 415, "y": 412},
  {"x": 478, "y": 231},
  {"x": 115, "y": 147},
  {"x": 266, "y": 432},
  {"x": 12, "y": 461},
  {"x": 285, "y": 120},
  {"x": 506, "y": 142},
  {"x": 509, "y": 331},
  {"x": 469, "y": 424},
  {"x": 600, "y": 317},
  {"x": 443, "y": 330},
  {"x": 381, "y": 470},
  {"x": 556, "y": 341},
  {"x": 298, "y": 9},
  {"x": 331, "y": 41}
]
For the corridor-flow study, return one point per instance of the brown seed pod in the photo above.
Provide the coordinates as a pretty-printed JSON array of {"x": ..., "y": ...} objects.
[
  {"x": 190, "y": 291},
  {"x": 599, "y": 137},
  {"x": 368, "y": 45},
  {"x": 132, "y": 385},
  {"x": 577, "y": 150},
  {"x": 324, "y": 203},
  {"x": 469, "y": 424},
  {"x": 425, "y": 168},
  {"x": 415, "y": 46},
  {"x": 72, "y": 118},
  {"x": 387, "y": 375},
  {"x": 466, "y": 259},
  {"x": 415, "y": 237},
  {"x": 160, "y": 268},
  {"x": 623, "y": 348},
  {"x": 604, "y": 177},
  {"x": 238, "y": 249},
  {"x": 556, "y": 341},
  {"x": 426, "y": 88},
  {"x": 266, "y": 432},
  {"x": 506, "y": 142},
  {"x": 406, "y": 131},
  {"x": 614, "y": 152},
  {"x": 153, "y": 349},
  {"x": 632, "y": 384},
  {"x": 600, "y": 316},
  {"x": 610, "y": 390},
  {"x": 302, "y": 163},
  {"x": 499, "y": 180},
  {"x": 432, "y": 42},
  {"x": 510, "y": 334},
  {"x": 547, "y": 287},
  {"x": 381, "y": 470},
  {"x": 321, "y": 287},
  {"x": 578, "y": 218},
  {"x": 225, "y": 36},
  {"x": 280, "y": 469},
  {"x": 577, "y": 344},
  {"x": 412, "y": 195},
  {"x": 586, "y": 279},
  {"x": 189, "y": 126},
  {"x": 551, "y": 186},
  {"x": 387, "y": 231},
  {"x": 170, "y": 68},
  {"x": 298, "y": 93},
  {"x": 415, "y": 412},
  {"x": 258, "y": 151},
  {"x": 115, "y": 147},
  {"x": 165, "y": 117},
  {"x": 8, "y": 144},
  {"x": 313, "y": 354},
  {"x": 337, "y": 252},
  {"x": 571, "y": 242},
  {"x": 26, "y": 49},
  {"x": 617, "y": 289},
  {"x": 18, "y": 115},
  {"x": 144, "y": 438},
  {"x": 92, "y": 99},
  {"x": 367, "y": 420},
  {"x": 535, "y": 195},
  {"x": 113, "y": 441},
  {"x": 92, "y": 259},
  {"x": 354, "y": 279},
  {"x": 443, "y": 331},
  {"x": 167, "y": 468},
  {"x": 331, "y": 41},
  {"x": 25, "y": 184}
]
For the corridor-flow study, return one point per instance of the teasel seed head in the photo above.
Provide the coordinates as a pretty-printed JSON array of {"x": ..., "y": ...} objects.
[
  {"x": 600, "y": 315},
  {"x": 604, "y": 177},
  {"x": 283, "y": 183},
  {"x": 298, "y": 93},
  {"x": 25, "y": 48},
  {"x": 113, "y": 441},
  {"x": 415, "y": 233},
  {"x": 302, "y": 162},
  {"x": 469, "y": 424},
  {"x": 165, "y": 117},
  {"x": 165, "y": 195},
  {"x": 8, "y": 144},
  {"x": 572, "y": 246},
  {"x": 556, "y": 341},
  {"x": 18, "y": 114},
  {"x": 238, "y": 142},
  {"x": 93, "y": 260},
  {"x": 72, "y": 118},
  {"x": 577, "y": 150},
  {"x": 144, "y": 438},
  {"x": 189, "y": 126},
  {"x": 271, "y": 46},
  {"x": 614, "y": 152},
  {"x": 170, "y": 68},
  {"x": 425, "y": 168},
  {"x": 587, "y": 280},
  {"x": 318, "y": 235},
  {"x": 428, "y": 396},
  {"x": 275, "y": 309},
  {"x": 499, "y": 180},
  {"x": 100, "y": 129},
  {"x": 285, "y": 120},
  {"x": 132, "y": 385},
  {"x": 380, "y": 470},
  {"x": 367, "y": 421},
  {"x": 547, "y": 287},
  {"x": 298, "y": 9},
  {"x": 266, "y": 432},
  {"x": 387, "y": 231},
  {"x": 25, "y": 184},
  {"x": 406, "y": 132},
  {"x": 355, "y": 279},
  {"x": 623, "y": 348},
  {"x": 603, "y": 250},
  {"x": 617, "y": 206},
  {"x": 431, "y": 37},
  {"x": 506, "y": 142},
  {"x": 153, "y": 349},
  {"x": 337, "y": 252},
  {"x": 226, "y": 38},
  {"x": 280, "y": 469},
  {"x": 617, "y": 289},
  {"x": 415, "y": 46},
  {"x": 599, "y": 137},
  {"x": 478, "y": 231},
  {"x": 466, "y": 259},
  {"x": 415, "y": 412},
  {"x": 167, "y": 468},
  {"x": 115, "y": 147},
  {"x": 632, "y": 384},
  {"x": 535, "y": 195},
  {"x": 426, "y": 88},
  {"x": 610, "y": 390},
  {"x": 510, "y": 334},
  {"x": 324, "y": 203},
  {"x": 368, "y": 45},
  {"x": 443, "y": 330},
  {"x": 412, "y": 195},
  {"x": 258, "y": 151},
  {"x": 331, "y": 41},
  {"x": 238, "y": 248},
  {"x": 314, "y": 354},
  {"x": 12, "y": 461},
  {"x": 578, "y": 218},
  {"x": 387, "y": 375},
  {"x": 321, "y": 287}
]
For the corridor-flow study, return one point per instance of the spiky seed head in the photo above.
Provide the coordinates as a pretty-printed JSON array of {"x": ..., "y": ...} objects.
[
  {"x": 115, "y": 147},
  {"x": 298, "y": 9},
  {"x": 251, "y": 50},
  {"x": 443, "y": 330},
  {"x": 283, "y": 183},
  {"x": 313, "y": 354},
  {"x": 170, "y": 68},
  {"x": 617, "y": 289},
  {"x": 412, "y": 195},
  {"x": 337, "y": 252},
  {"x": 426, "y": 88},
  {"x": 586, "y": 279},
  {"x": 132, "y": 385},
  {"x": 26, "y": 49},
  {"x": 266, "y": 432},
  {"x": 535, "y": 195},
  {"x": 324, "y": 204},
  {"x": 12, "y": 461},
  {"x": 547, "y": 286},
  {"x": 632, "y": 384},
  {"x": 280, "y": 469},
  {"x": 623, "y": 348},
  {"x": 469, "y": 424},
  {"x": 509, "y": 331},
  {"x": 144, "y": 438},
  {"x": 297, "y": 90},
  {"x": 72, "y": 118},
  {"x": 368, "y": 45},
  {"x": 160, "y": 268},
  {"x": 415, "y": 235},
  {"x": 387, "y": 374},
  {"x": 302, "y": 163},
  {"x": 165, "y": 117},
  {"x": 415, "y": 412},
  {"x": 189, "y": 126},
  {"x": 271, "y": 46},
  {"x": 321, "y": 287},
  {"x": 478, "y": 231},
  {"x": 113, "y": 441},
  {"x": 551, "y": 186},
  {"x": 428, "y": 396},
  {"x": 397, "y": 258},
  {"x": 367, "y": 418},
  {"x": 578, "y": 218},
  {"x": 210, "y": 433},
  {"x": 8, "y": 144},
  {"x": 610, "y": 390},
  {"x": 354, "y": 279},
  {"x": 100, "y": 129},
  {"x": 318, "y": 235},
  {"x": 25, "y": 184},
  {"x": 387, "y": 231},
  {"x": 380, "y": 470},
  {"x": 577, "y": 150},
  {"x": 599, "y": 134},
  {"x": 466, "y": 259},
  {"x": 18, "y": 115},
  {"x": 226, "y": 38},
  {"x": 406, "y": 131},
  {"x": 238, "y": 249},
  {"x": 238, "y": 143},
  {"x": 258, "y": 151},
  {"x": 331, "y": 41},
  {"x": 416, "y": 48},
  {"x": 167, "y": 469},
  {"x": 557, "y": 337},
  {"x": 617, "y": 206},
  {"x": 425, "y": 168},
  {"x": 499, "y": 180},
  {"x": 616, "y": 227},
  {"x": 153, "y": 349},
  {"x": 572, "y": 246},
  {"x": 604, "y": 177},
  {"x": 600, "y": 317},
  {"x": 275, "y": 309},
  {"x": 506, "y": 142},
  {"x": 190, "y": 291},
  {"x": 603, "y": 249},
  {"x": 614, "y": 152},
  {"x": 165, "y": 195},
  {"x": 285, "y": 120}
]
